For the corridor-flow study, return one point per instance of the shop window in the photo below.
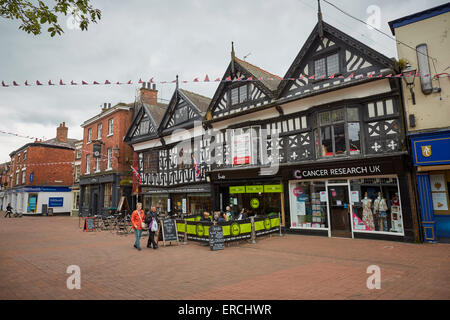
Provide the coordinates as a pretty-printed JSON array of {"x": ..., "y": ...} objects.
[
  {"x": 376, "y": 205},
  {"x": 198, "y": 203},
  {"x": 86, "y": 195},
  {"x": 340, "y": 133},
  {"x": 76, "y": 200},
  {"x": 108, "y": 196},
  {"x": 308, "y": 204},
  {"x": 439, "y": 183}
]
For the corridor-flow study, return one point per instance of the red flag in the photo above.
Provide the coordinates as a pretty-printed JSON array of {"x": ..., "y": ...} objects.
[
  {"x": 83, "y": 82},
  {"x": 118, "y": 83},
  {"x": 50, "y": 83},
  {"x": 312, "y": 77},
  {"x": 250, "y": 79},
  {"x": 95, "y": 82},
  {"x": 218, "y": 79},
  {"x": 228, "y": 78},
  {"x": 173, "y": 81},
  {"x": 129, "y": 82},
  {"x": 259, "y": 78},
  {"x": 61, "y": 83},
  {"x": 301, "y": 76},
  {"x": 73, "y": 83},
  {"x": 38, "y": 83},
  {"x": 151, "y": 80},
  {"x": 389, "y": 75},
  {"x": 140, "y": 81},
  {"x": 15, "y": 84},
  {"x": 270, "y": 79},
  {"x": 206, "y": 78},
  {"x": 26, "y": 83},
  {"x": 332, "y": 76},
  {"x": 196, "y": 80},
  {"x": 4, "y": 85},
  {"x": 107, "y": 82}
]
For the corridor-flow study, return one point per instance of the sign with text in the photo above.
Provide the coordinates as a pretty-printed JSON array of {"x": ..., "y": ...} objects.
[
  {"x": 216, "y": 240},
  {"x": 241, "y": 144},
  {"x": 169, "y": 230},
  {"x": 89, "y": 224},
  {"x": 55, "y": 202}
]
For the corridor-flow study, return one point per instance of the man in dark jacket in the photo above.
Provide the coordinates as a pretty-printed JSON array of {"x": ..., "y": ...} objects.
[
  {"x": 8, "y": 210},
  {"x": 151, "y": 234}
]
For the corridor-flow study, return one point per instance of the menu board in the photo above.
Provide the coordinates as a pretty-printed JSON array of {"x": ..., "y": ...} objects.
[
  {"x": 216, "y": 241},
  {"x": 169, "y": 230},
  {"x": 89, "y": 224}
]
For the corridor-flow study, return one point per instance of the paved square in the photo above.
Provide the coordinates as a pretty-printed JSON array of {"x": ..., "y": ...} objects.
[{"x": 36, "y": 251}]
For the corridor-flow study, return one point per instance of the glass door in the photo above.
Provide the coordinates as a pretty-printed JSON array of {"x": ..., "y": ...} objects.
[{"x": 339, "y": 211}]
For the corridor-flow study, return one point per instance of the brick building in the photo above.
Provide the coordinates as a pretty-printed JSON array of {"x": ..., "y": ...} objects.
[
  {"x": 4, "y": 174},
  {"x": 40, "y": 175},
  {"x": 105, "y": 172},
  {"x": 76, "y": 178}
]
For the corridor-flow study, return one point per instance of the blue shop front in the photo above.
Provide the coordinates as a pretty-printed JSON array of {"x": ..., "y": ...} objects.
[{"x": 431, "y": 156}]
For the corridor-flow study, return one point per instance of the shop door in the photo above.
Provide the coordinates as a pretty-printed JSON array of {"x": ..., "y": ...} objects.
[{"x": 339, "y": 211}]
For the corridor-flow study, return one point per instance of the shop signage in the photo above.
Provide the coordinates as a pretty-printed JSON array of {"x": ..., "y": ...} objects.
[
  {"x": 273, "y": 188},
  {"x": 237, "y": 189},
  {"x": 241, "y": 148},
  {"x": 254, "y": 189},
  {"x": 97, "y": 150},
  {"x": 338, "y": 171},
  {"x": 431, "y": 149},
  {"x": 56, "y": 202},
  {"x": 254, "y": 203},
  {"x": 169, "y": 230},
  {"x": 89, "y": 224},
  {"x": 216, "y": 240}
]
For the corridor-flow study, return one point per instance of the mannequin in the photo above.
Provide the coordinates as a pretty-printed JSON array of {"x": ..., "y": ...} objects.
[
  {"x": 381, "y": 208},
  {"x": 367, "y": 216}
]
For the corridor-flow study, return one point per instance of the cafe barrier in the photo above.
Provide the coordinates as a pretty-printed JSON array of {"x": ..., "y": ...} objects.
[{"x": 232, "y": 230}]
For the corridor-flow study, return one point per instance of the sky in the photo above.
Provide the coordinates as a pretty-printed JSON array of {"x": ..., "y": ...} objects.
[{"x": 161, "y": 39}]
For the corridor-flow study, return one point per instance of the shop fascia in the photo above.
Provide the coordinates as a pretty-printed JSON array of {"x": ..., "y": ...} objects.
[{"x": 339, "y": 171}]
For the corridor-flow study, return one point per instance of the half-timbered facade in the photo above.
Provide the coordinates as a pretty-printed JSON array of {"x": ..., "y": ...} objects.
[
  {"x": 318, "y": 145},
  {"x": 171, "y": 154}
]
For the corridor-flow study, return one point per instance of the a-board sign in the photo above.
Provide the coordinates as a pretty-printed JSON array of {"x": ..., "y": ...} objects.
[
  {"x": 89, "y": 224},
  {"x": 169, "y": 230},
  {"x": 216, "y": 241}
]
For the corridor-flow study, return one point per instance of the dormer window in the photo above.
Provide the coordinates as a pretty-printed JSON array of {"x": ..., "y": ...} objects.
[
  {"x": 181, "y": 115},
  {"x": 239, "y": 95},
  {"x": 326, "y": 66}
]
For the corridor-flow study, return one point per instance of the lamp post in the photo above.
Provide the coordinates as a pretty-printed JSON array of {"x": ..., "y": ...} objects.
[{"x": 409, "y": 75}]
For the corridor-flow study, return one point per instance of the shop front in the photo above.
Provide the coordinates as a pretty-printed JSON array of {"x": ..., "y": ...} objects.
[
  {"x": 367, "y": 198},
  {"x": 183, "y": 200},
  {"x": 431, "y": 156},
  {"x": 246, "y": 189}
]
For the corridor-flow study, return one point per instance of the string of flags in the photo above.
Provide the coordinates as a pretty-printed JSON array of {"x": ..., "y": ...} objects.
[{"x": 206, "y": 79}]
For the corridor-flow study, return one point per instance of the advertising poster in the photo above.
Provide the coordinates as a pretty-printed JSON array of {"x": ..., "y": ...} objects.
[
  {"x": 437, "y": 182},
  {"x": 358, "y": 224},
  {"x": 440, "y": 201},
  {"x": 242, "y": 148},
  {"x": 323, "y": 196}
]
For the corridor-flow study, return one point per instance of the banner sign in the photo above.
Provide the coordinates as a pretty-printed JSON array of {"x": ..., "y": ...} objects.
[{"x": 56, "y": 202}]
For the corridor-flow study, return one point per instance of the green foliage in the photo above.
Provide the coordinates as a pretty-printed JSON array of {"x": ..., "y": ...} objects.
[{"x": 34, "y": 14}]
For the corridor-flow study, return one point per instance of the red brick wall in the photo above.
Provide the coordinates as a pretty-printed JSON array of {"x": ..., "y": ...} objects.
[
  {"x": 122, "y": 120},
  {"x": 44, "y": 163}
]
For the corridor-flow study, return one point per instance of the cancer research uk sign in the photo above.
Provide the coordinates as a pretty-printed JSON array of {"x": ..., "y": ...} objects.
[{"x": 339, "y": 171}]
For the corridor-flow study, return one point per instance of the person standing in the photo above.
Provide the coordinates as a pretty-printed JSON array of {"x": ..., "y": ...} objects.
[
  {"x": 8, "y": 210},
  {"x": 151, "y": 216},
  {"x": 137, "y": 219}
]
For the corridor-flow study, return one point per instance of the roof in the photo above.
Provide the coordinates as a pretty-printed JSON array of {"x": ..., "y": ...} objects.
[
  {"x": 107, "y": 111},
  {"x": 418, "y": 16},
  {"x": 156, "y": 111},
  {"x": 257, "y": 72},
  {"x": 201, "y": 102},
  {"x": 52, "y": 143}
]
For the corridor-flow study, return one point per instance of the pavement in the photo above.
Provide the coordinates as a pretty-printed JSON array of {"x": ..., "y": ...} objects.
[{"x": 35, "y": 253}]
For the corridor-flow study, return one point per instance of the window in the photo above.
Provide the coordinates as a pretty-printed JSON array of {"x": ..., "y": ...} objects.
[
  {"x": 88, "y": 162},
  {"x": 109, "y": 164},
  {"x": 17, "y": 178},
  {"x": 246, "y": 146},
  {"x": 24, "y": 155},
  {"x": 239, "y": 94},
  {"x": 380, "y": 108},
  {"x": 77, "y": 173},
  {"x": 340, "y": 132},
  {"x": 110, "y": 127},
  {"x": 181, "y": 115},
  {"x": 326, "y": 66},
  {"x": 144, "y": 126},
  {"x": 18, "y": 158},
  {"x": 97, "y": 165},
  {"x": 78, "y": 154},
  {"x": 76, "y": 200},
  {"x": 108, "y": 196},
  {"x": 24, "y": 175},
  {"x": 99, "y": 131},
  {"x": 150, "y": 161},
  {"x": 89, "y": 139}
]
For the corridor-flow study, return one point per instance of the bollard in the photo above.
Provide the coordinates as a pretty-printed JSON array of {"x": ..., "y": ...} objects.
[
  {"x": 252, "y": 219},
  {"x": 185, "y": 232},
  {"x": 279, "y": 220}
]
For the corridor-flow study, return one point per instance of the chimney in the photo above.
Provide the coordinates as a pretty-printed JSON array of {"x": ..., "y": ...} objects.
[
  {"x": 61, "y": 132},
  {"x": 150, "y": 96}
]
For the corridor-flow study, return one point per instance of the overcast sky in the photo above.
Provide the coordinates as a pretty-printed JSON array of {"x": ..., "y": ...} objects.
[{"x": 143, "y": 39}]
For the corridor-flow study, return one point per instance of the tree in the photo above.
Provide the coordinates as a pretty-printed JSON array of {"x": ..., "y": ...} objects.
[{"x": 34, "y": 14}]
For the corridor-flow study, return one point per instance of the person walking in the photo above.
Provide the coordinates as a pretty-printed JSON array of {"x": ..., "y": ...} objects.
[
  {"x": 8, "y": 210},
  {"x": 150, "y": 217},
  {"x": 137, "y": 219}
]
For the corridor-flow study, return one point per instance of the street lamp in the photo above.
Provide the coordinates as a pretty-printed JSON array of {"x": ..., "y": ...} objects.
[{"x": 409, "y": 75}]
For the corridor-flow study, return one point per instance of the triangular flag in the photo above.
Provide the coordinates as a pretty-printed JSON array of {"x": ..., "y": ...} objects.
[
  {"x": 4, "y": 85},
  {"x": 259, "y": 78},
  {"x": 228, "y": 78},
  {"x": 50, "y": 83},
  {"x": 26, "y": 83},
  {"x": 83, "y": 82},
  {"x": 301, "y": 76},
  {"x": 118, "y": 82},
  {"x": 173, "y": 81},
  {"x": 107, "y": 82},
  {"x": 218, "y": 79},
  {"x": 312, "y": 77},
  {"x": 61, "y": 83},
  {"x": 206, "y": 78},
  {"x": 151, "y": 80},
  {"x": 140, "y": 81},
  {"x": 250, "y": 79},
  {"x": 129, "y": 82},
  {"x": 95, "y": 82},
  {"x": 389, "y": 75},
  {"x": 38, "y": 83},
  {"x": 73, "y": 83},
  {"x": 15, "y": 84},
  {"x": 196, "y": 80},
  {"x": 331, "y": 76}
]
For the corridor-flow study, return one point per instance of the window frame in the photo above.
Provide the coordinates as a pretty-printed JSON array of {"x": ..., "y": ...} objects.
[
  {"x": 109, "y": 161},
  {"x": 89, "y": 136},
  {"x": 99, "y": 131},
  {"x": 88, "y": 165},
  {"x": 110, "y": 127},
  {"x": 324, "y": 54},
  {"x": 238, "y": 86}
]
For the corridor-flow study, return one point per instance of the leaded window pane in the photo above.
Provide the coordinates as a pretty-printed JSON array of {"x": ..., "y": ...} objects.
[
  {"x": 333, "y": 64},
  {"x": 380, "y": 111},
  {"x": 354, "y": 137},
  {"x": 324, "y": 118},
  {"x": 371, "y": 110},
  {"x": 327, "y": 142},
  {"x": 234, "y": 96},
  {"x": 389, "y": 107},
  {"x": 319, "y": 67},
  {"x": 338, "y": 115},
  {"x": 352, "y": 114},
  {"x": 339, "y": 139}
]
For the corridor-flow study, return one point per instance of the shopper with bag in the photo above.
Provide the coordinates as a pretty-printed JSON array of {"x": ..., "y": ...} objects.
[
  {"x": 152, "y": 221},
  {"x": 138, "y": 224}
]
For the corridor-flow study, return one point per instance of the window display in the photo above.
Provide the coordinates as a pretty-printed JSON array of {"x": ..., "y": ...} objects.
[
  {"x": 308, "y": 204},
  {"x": 379, "y": 210}
]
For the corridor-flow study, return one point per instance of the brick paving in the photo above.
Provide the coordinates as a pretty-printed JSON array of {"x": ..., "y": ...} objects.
[{"x": 36, "y": 251}]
